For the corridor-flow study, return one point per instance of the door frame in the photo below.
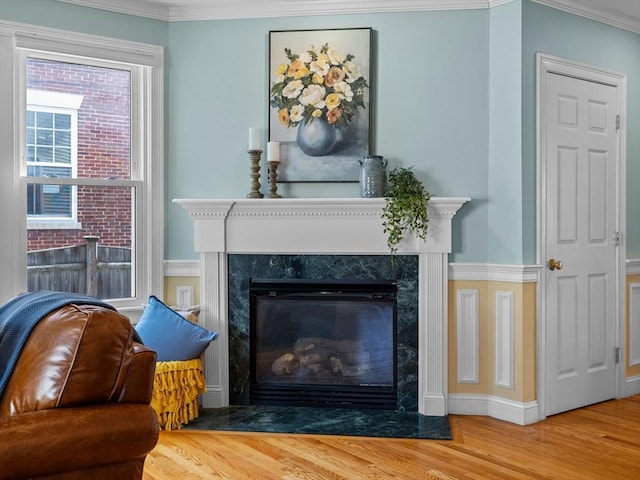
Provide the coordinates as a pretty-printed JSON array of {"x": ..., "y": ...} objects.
[{"x": 547, "y": 64}]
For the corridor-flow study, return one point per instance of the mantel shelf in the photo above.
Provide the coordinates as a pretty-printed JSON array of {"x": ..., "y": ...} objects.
[{"x": 310, "y": 225}]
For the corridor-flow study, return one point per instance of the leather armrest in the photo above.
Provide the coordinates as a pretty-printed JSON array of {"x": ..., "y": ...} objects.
[
  {"x": 138, "y": 385},
  {"x": 68, "y": 439}
]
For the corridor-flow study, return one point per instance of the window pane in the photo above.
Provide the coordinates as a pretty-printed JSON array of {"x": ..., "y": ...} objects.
[
  {"x": 59, "y": 258},
  {"x": 63, "y": 139},
  {"x": 63, "y": 122},
  {"x": 44, "y": 154},
  {"x": 31, "y": 119},
  {"x": 44, "y": 120},
  {"x": 63, "y": 155},
  {"x": 49, "y": 200},
  {"x": 44, "y": 137},
  {"x": 47, "y": 171}
]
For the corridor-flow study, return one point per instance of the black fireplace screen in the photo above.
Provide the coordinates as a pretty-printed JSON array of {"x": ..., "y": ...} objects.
[{"x": 323, "y": 343}]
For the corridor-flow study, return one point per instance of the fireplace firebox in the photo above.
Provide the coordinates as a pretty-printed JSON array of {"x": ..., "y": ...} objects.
[{"x": 323, "y": 343}]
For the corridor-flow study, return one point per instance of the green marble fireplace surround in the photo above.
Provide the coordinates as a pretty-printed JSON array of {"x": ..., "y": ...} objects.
[{"x": 324, "y": 267}]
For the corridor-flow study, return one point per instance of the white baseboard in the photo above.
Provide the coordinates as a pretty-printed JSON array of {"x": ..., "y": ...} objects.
[
  {"x": 435, "y": 404},
  {"x": 631, "y": 386},
  {"x": 212, "y": 398},
  {"x": 496, "y": 407}
]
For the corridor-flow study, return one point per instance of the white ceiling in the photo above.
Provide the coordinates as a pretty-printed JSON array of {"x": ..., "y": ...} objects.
[{"x": 621, "y": 13}]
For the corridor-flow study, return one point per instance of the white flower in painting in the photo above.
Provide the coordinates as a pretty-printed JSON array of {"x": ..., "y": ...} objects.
[
  {"x": 344, "y": 89},
  {"x": 335, "y": 57},
  {"x": 296, "y": 113},
  {"x": 313, "y": 95},
  {"x": 352, "y": 71},
  {"x": 320, "y": 65},
  {"x": 305, "y": 57},
  {"x": 292, "y": 89}
]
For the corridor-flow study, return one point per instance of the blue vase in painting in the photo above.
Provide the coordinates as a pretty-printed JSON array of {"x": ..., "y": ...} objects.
[{"x": 316, "y": 138}]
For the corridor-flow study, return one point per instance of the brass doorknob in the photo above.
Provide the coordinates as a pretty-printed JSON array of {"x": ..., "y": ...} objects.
[{"x": 555, "y": 264}]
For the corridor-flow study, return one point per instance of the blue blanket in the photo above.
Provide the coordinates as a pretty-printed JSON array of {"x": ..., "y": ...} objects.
[{"x": 20, "y": 315}]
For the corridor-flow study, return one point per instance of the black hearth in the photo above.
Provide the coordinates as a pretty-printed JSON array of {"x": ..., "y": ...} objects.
[{"x": 323, "y": 343}]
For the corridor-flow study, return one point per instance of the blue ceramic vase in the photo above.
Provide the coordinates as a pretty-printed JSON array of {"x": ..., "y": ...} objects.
[{"x": 373, "y": 176}]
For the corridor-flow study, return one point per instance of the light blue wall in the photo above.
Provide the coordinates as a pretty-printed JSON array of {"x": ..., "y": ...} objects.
[
  {"x": 430, "y": 104},
  {"x": 575, "y": 38},
  {"x": 505, "y": 146},
  {"x": 453, "y": 95},
  {"x": 48, "y": 13}
]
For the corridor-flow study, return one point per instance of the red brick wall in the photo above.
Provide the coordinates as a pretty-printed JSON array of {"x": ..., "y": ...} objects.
[{"x": 104, "y": 141}]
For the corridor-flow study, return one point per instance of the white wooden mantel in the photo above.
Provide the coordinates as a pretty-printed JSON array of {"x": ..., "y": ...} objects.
[{"x": 316, "y": 226}]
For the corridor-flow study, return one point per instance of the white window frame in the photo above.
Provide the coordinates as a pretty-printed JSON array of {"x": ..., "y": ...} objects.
[{"x": 147, "y": 150}]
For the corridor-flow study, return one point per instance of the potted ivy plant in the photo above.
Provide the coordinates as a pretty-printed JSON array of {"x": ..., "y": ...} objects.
[{"x": 405, "y": 209}]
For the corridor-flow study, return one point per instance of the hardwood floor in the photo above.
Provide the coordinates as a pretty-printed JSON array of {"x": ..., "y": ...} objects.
[{"x": 598, "y": 442}]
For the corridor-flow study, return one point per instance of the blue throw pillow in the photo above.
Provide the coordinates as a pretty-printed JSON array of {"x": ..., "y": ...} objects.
[{"x": 172, "y": 336}]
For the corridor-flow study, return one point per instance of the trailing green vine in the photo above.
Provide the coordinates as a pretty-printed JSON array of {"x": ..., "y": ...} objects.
[{"x": 405, "y": 209}]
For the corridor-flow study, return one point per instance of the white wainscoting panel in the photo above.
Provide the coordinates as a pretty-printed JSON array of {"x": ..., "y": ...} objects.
[
  {"x": 505, "y": 337},
  {"x": 467, "y": 335},
  {"x": 634, "y": 324}
]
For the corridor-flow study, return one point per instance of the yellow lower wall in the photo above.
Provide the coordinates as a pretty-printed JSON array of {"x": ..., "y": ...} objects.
[
  {"x": 525, "y": 315},
  {"x": 170, "y": 284},
  {"x": 524, "y": 298},
  {"x": 635, "y": 370}
]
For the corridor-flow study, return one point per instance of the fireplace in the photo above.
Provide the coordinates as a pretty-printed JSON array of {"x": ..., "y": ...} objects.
[
  {"x": 323, "y": 343},
  {"x": 224, "y": 228}
]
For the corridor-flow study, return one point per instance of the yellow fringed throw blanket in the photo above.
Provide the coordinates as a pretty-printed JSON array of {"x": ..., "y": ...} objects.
[{"x": 176, "y": 387}]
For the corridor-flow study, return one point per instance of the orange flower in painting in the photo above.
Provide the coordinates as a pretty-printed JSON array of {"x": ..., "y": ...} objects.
[
  {"x": 334, "y": 76},
  {"x": 332, "y": 100},
  {"x": 298, "y": 69},
  {"x": 334, "y": 115},
  {"x": 282, "y": 69},
  {"x": 283, "y": 116}
]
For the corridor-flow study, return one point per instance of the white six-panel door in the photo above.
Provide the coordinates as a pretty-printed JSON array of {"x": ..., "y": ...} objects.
[{"x": 581, "y": 168}]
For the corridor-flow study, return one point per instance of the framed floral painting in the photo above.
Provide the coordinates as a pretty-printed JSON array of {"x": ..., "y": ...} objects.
[{"x": 319, "y": 102}]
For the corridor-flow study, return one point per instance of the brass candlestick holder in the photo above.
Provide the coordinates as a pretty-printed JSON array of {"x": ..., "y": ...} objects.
[
  {"x": 273, "y": 180},
  {"x": 254, "y": 156}
]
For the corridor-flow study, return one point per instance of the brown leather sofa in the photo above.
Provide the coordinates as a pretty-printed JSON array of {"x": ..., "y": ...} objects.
[{"x": 77, "y": 405}]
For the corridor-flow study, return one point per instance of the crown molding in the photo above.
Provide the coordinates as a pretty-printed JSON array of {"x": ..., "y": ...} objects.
[
  {"x": 224, "y": 9},
  {"x": 139, "y": 8},
  {"x": 580, "y": 8},
  {"x": 188, "y": 10}
]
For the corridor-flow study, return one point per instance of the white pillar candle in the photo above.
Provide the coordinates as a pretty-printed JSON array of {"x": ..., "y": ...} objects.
[
  {"x": 273, "y": 152},
  {"x": 254, "y": 139}
]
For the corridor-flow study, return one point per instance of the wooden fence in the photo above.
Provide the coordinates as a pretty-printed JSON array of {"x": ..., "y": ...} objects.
[{"x": 98, "y": 270}]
